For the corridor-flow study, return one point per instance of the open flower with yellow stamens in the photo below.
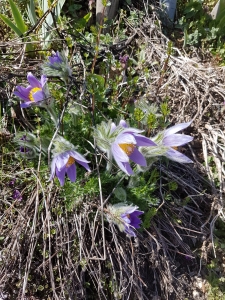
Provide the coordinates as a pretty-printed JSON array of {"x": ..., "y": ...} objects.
[
  {"x": 35, "y": 93},
  {"x": 64, "y": 160},
  {"x": 64, "y": 163},
  {"x": 125, "y": 148},
  {"x": 121, "y": 142}
]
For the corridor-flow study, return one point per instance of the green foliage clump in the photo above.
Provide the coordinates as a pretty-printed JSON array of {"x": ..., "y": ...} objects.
[{"x": 200, "y": 29}]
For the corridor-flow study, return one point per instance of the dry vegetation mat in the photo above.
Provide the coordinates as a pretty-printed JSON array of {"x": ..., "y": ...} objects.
[{"x": 52, "y": 248}]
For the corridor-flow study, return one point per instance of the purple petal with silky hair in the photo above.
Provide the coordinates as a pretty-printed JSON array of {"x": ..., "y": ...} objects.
[
  {"x": 125, "y": 167},
  {"x": 174, "y": 140},
  {"x": 33, "y": 80},
  {"x": 144, "y": 141},
  {"x": 61, "y": 175},
  {"x": 25, "y": 104},
  {"x": 113, "y": 127},
  {"x": 134, "y": 220},
  {"x": 178, "y": 157},
  {"x": 118, "y": 153},
  {"x": 77, "y": 156},
  {"x": 123, "y": 123},
  {"x": 38, "y": 96},
  {"x": 138, "y": 158},
  {"x": 71, "y": 172},
  {"x": 44, "y": 79},
  {"x": 84, "y": 164},
  {"x": 61, "y": 160},
  {"x": 176, "y": 128}
]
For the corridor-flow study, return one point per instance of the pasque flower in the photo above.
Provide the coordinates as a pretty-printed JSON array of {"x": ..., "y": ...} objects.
[
  {"x": 17, "y": 195},
  {"x": 57, "y": 65},
  {"x": 171, "y": 139},
  {"x": 125, "y": 148},
  {"x": 35, "y": 93},
  {"x": 55, "y": 59},
  {"x": 64, "y": 163},
  {"x": 121, "y": 142},
  {"x": 126, "y": 217}
]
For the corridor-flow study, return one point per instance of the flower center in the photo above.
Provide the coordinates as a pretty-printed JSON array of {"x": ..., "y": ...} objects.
[
  {"x": 70, "y": 161},
  {"x": 127, "y": 148},
  {"x": 32, "y": 92}
]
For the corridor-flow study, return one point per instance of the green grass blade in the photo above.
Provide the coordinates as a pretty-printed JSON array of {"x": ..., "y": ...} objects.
[
  {"x": 31, "y": 12},
  {"x": 17, "y": 17},
  {"x": 59, "y": 7},
  {"x": 11, "y": 25}
]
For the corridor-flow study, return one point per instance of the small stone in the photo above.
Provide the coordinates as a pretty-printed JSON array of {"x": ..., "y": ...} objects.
[{"x": 195, "y": 294}]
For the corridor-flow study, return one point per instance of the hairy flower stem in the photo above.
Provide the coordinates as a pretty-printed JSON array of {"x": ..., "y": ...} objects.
[
  {"x": 109, "y": 162},
  {"x": 51, "y": 111}
]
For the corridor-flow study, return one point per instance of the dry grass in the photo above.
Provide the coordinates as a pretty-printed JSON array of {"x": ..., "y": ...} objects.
[{"x": 47, "y": 251}]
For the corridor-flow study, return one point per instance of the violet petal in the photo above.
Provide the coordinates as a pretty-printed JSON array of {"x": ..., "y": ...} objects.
[
  {"x": 38, "y": 96},
  {"x": 33, "y": 80},
  {"x": 177, "y": 156},
  {"x": 61, "y": 175},
  {"x": 118, "y": 153},
  {"x": 176, "y": 128},
  {"x": 71, "y": 172},
  {"x": 138, "y": 158},
  {"x": 25, "y": 104},
  {"x": 144, "y": 141},
  {"x": 177, "y": 140}
]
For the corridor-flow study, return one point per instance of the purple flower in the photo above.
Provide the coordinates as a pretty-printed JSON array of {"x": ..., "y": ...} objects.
[
  {"x": 125, "y": 217},
  {"x": 173, "y": 140},
  {"x": 64, "y": 163},
  {"x": 17, "y": 195},
  {"x": 124, "y": 59},
  {"x": 12, "y": 182},
  {"x": 55, "y": 59},
  {"x": 131, "y": 220},
  {"x": 57, "y": 65},
  {"x": 24, "y": 149},
  {"x": 125, "y": 148},
  {"x": 34, "y": 93}
]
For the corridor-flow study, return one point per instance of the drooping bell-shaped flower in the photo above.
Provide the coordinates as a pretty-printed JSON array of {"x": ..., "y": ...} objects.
[
  {"x": 122, "y": 142},
  {"x": 126, "y": 217},
  {"x": 35, "y": 94},
  {"x": 57, "y": 65},
  {"x": 64, "y": 161}
]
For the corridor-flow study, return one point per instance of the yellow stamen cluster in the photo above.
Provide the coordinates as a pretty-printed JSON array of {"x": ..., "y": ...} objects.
[
  {"x": 70, "y": 161},
  {"x": 127, "y": 148},
  {"x": 33, "y": 91}
]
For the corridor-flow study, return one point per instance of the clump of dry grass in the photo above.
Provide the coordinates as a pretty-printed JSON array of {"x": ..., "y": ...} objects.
[
  {"x": 47, "y": 251},
  {"x": 63, "y": 255}
]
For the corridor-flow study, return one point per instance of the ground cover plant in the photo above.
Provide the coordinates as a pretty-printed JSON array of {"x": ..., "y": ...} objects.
[{"x": 112, "y": 175}]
